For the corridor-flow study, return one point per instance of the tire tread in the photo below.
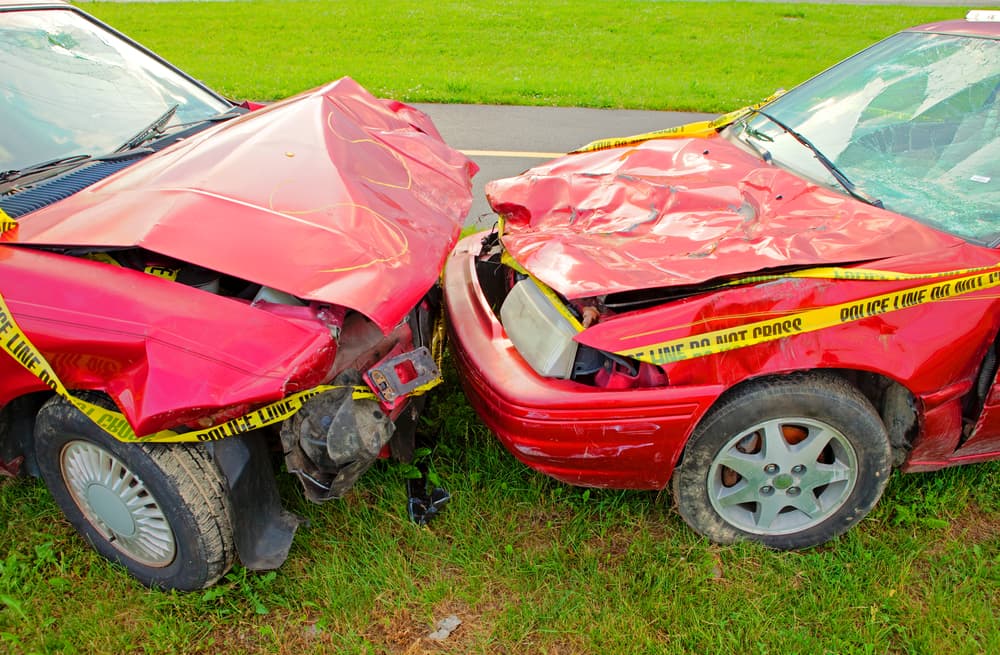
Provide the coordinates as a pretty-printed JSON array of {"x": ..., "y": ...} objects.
[
  {"x": 202, "y": 484},
  {"x": 200, "y": 488}
]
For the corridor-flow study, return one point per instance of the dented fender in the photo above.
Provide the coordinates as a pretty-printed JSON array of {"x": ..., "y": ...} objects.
[
  {"x": 166, "y": 353},
  {"x": 904, "y": 345}
]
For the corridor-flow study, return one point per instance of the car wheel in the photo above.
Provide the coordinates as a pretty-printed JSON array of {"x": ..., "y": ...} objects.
[
  {"x": 790, "y": 462},
  {"x": 160, "y": 510}
]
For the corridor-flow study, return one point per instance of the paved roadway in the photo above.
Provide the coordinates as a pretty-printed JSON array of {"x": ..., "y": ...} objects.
[
  {"x": 925, "y": 3},
  {"x": 507, "y": 140}
]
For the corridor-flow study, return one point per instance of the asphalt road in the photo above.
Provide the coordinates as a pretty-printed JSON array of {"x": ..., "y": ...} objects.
[{"x": 506, "y": 140}]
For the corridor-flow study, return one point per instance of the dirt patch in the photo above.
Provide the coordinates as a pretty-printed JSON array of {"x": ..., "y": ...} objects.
[
  {"x": 612, "y": 545},
  {"x": 407, "y": 631},
  {"x": 247, "y": 636},
  {"x": 541, "y": 528},
  {"x": 972, "y": 526}
]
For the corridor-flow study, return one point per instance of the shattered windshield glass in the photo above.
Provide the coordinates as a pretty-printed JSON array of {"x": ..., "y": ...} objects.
[
  {"x": 912, "y": 121},
  {"x": 69, "y": 87}
]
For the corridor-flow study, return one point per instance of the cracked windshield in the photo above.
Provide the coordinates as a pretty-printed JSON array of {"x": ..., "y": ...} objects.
[
  {"x": 70, "y": 88},
  {"x": 902, "y": 127}
]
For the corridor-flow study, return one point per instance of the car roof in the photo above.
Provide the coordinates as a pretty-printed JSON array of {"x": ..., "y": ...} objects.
[
  {"x": 986, "y": 23},
  {"x": 31, "y": 4}
]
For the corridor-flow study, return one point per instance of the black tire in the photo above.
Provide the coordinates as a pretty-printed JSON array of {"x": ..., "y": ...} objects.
[
  {"x": 828, "y": 464},
  {"x": 159, "y": 510}
]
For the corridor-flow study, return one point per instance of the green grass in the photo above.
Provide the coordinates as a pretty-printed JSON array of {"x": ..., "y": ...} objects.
[
  {"x": 701, "y": 56},
  {"x": 529, "y": 565}
]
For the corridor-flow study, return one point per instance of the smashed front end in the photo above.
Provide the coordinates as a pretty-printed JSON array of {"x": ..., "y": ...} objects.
[
  {"x": 372, "y": 406},
  {"x": 266, "y": 285},
  {"x": 580, "y": 324}
]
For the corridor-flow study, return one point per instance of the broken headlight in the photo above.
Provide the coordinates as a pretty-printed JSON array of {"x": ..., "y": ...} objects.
[{"x": 539, "y": 331}]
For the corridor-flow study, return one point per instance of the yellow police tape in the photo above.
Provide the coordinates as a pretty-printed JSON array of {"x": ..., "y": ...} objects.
[
  {"x": 718, "y": 341},
  {"x": 6, "y": 222},
  {"x": 162, "y": 271},
  {"x": 693, "y": 130},
  {"x": 864, "y": 274},
  {"x": 549, "y": 294},
  {"x": 158, "y": 271},
  {"x": 15, "y": 343},
  {"x": 961, "y": 282}
]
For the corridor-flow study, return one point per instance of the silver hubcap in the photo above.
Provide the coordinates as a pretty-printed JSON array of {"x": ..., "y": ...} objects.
[
  {"x": 117, "y": 503},
  {"x": 782, "y": 476}
]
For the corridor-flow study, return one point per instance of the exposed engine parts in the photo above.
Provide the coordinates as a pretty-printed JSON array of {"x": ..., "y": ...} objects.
[{"x": 334, "y": 439}]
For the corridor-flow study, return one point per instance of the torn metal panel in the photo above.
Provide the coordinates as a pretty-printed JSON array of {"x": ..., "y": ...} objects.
[{"x": 682, "y": 212}]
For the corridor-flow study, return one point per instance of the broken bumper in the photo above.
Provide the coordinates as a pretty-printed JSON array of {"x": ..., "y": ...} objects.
[{"x": 575, "y": 433}]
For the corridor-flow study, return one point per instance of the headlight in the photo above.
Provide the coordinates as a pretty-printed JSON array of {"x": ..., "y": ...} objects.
[{"x": 542, "y": 335}]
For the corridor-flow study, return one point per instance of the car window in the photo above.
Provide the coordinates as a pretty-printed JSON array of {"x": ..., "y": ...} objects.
[
  {"x": 913, "y": 121},
  {"x": 71, "y": 87}
]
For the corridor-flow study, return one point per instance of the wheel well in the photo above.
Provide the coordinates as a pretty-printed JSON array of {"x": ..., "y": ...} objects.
[
  {"x": 895, "y": 404},
  {"x": 17, "y": 430}
]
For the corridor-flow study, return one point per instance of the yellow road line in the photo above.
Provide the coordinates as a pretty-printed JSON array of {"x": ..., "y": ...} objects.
[{"x": 512, "y": 153}]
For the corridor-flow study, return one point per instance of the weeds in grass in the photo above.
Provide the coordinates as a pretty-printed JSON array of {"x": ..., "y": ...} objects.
[
  {"x": 529, "y": 565},
  {"x": 239, "y": 590}
]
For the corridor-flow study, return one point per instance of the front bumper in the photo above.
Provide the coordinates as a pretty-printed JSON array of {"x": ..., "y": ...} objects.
[{"x": 573, "y": 432}]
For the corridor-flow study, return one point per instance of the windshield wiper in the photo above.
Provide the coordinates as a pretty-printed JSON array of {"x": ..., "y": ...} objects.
[
  {"x": 127, "y": 149},
  {"x": 151, "y": 131},
  {"x": 823, "y": 159},
  {"x": 232, "y": 112},
  {"x": 764, "y": 153},
  {"x": 14, "y": 173}
]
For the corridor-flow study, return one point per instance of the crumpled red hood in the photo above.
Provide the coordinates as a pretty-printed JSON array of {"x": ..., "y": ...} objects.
[
  {"x": 333, "y": 195},
  {"x": 675, "y": 212}
]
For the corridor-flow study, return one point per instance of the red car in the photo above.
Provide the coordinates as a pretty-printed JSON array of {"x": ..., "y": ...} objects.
[
  {"x": 772, "y": 310},
  {"x": 224, "y": 281}
]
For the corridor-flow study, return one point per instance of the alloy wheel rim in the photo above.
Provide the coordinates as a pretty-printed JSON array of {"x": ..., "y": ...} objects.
[
  {"x": 782, "y": 476},
  {"x": 117, "y": 503}
]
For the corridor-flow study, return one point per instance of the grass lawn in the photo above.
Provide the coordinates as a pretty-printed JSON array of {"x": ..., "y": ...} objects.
[
  {"x": 640, "y": 54},
  {"x": 529, "y": 565}
]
